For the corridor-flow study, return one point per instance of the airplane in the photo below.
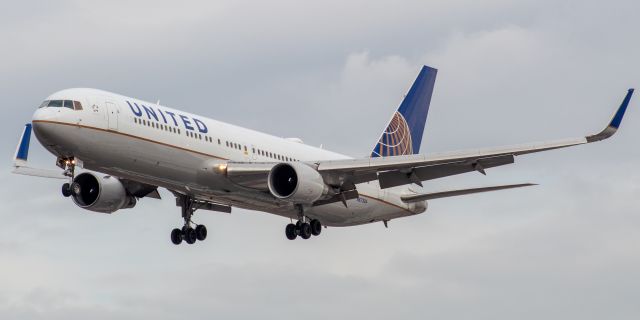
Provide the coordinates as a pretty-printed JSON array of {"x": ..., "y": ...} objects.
[{"x": 114, "y": 150}]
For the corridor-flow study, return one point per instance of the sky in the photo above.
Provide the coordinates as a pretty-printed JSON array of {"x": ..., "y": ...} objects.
[{"x": 331, "y": 73}]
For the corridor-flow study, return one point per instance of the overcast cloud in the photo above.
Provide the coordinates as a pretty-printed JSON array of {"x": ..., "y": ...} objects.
[{"x": 332, "y": 72}]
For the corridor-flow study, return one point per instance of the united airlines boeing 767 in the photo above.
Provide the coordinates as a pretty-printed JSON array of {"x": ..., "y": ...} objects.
[{"x": 115, "y": 150}]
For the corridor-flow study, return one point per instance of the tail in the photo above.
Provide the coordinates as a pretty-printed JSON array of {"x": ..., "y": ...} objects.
[{"x": 403, "y": 134}]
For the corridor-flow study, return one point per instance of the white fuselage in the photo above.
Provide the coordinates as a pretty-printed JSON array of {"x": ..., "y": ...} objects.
[{"x": 157, "y": 145}]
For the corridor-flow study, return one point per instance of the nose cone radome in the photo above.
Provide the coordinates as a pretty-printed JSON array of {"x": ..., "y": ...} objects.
[
  {"x": 44, "y": 114},
  {"x": 41, "y": 123}
]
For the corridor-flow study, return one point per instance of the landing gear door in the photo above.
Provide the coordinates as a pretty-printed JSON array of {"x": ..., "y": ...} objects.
[{"x": 112, "y": 114}]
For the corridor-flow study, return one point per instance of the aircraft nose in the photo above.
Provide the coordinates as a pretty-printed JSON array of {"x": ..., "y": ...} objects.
[
  {"x": 38, "y": 115},
  {"x": 44, "y": 114},
  {"x": 39, "y": 122}
]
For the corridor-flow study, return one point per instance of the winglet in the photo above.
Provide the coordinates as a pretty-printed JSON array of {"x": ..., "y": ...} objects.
[
  {"x": 22, "y": 151},
  {"x": 614, "y": 124},
  {"x": 20, "y": 160}
]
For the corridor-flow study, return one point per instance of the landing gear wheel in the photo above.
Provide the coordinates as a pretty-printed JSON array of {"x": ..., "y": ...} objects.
[
  {"x": 290, "y": 231},
  {"x": 176, "y": 236},
  {"x": 66, "y": 190},
  {"x": 201, "y": 232},
  {"x": 305, "y": 231},
  {"x": 316, "y": 227},
  {"x": 190, "y": 235}
]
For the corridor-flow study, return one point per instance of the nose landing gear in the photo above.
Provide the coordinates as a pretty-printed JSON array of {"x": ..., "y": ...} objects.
[{"x": 69, "y": 166}]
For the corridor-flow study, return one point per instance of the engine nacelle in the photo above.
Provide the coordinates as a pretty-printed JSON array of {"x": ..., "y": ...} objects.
[
  {"x": 296, "y": 182},
  {"x": 100, "y": 193}
]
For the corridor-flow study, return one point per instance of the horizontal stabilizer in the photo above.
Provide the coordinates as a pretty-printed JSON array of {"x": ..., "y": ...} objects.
[{"x": 453, "y": 193}]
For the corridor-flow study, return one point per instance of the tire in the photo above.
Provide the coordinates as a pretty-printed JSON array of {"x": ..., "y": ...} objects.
[
  {"x": 290, "y": 231},
  {"x": 190, "y": 236},
  {"x": 305, "y": 231},
  {"x": 201, "y": 232},
  {"x": 176, "y": 236},
  {"x": 66, "y": 190},
  {"x": 316, "y": 227}
]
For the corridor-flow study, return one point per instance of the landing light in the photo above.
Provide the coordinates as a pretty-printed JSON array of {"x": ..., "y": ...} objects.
[{"x": 222, "y": 167}]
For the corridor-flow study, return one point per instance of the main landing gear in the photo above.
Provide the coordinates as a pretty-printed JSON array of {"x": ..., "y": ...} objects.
[
  {"x": 188, "y": 233},
  {"x": 304, "y": 228}
]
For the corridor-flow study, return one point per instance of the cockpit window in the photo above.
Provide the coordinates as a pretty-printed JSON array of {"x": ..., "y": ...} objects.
[
  {"x": 55, "y": 104},
  {"x": 73, "y": 105}
]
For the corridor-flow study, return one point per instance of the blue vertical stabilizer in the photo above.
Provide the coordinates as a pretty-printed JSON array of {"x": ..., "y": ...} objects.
[{"x": 403, "y": 134}]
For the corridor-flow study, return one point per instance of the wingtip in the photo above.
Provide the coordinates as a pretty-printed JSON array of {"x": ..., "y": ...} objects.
[
  {"x": 426, "y": 67},
  {"x": 615, "y": 122},
  {"x": 617, "y": 118},
  {"x": 22, "y": 151}
]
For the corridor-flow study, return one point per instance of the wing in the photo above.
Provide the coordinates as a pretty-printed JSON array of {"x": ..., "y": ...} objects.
[
  {"x": 401, "y": 170},
  {"x": 461, "y": 192},
  {"x": 20, "y": 165}
]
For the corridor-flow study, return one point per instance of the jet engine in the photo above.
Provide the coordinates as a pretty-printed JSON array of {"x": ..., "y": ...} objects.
[
  {"x": 100, "y": 193},
  {"x": 296, "y": 182}
]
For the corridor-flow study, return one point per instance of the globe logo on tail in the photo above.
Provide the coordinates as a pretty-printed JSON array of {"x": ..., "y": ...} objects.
[{"x": 396, "y": 139}]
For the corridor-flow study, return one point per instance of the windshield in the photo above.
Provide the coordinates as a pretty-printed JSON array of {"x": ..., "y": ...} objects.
[{"x": 73, "y": 105}]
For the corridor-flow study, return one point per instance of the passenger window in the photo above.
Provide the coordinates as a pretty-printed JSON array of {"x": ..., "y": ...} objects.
[{"x": 77, "y": 105}]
